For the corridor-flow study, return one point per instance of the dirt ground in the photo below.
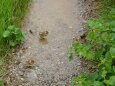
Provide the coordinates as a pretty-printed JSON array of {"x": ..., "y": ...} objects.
[{"x": 63, "y": 20}]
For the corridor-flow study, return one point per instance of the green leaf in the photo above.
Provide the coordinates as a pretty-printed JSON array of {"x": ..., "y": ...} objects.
[
  {"x": 112, "y": 11},
  {"x": 89, "y": 55},
  {"x": 16, "y": 31},
  {"x": 12, "y": 42},
  {"x": 97, "y": 83},
  {"x": 108, "y": 56},
  {"x": 108, "y": 66},
  {"x": 87, "y": 46},
  {"x": 112, "y": 81},
  {"x": 83, "y": 52},
  {"x": 70, "y": 57},
  {"x": 6, "y": 34},
  {"x": 113, "y": 29},
  {"x": 112, "y": 23},
  {"x": 112, "y": 36},
  {"x": 94, "y": 76},
  {"x": 87, "y": 83},
  {"x": 77, "y": 45},
  {"x": 112, "y": 51},
  {"x": 11, "y": 27},
  {"x": 108, "y": 62},
  {"x": 98, "y": 40},
  {"x": 75, "y": 79},
  {"x": 90, "y": 36},
  {"x": 114, "y": 68},
  {"x": 104, "y": 35},
  {"x": 20, "y": 36},
  {"x": 103, "y": 73},
  {"x": 80, "y": 84},
  {"x": 84, "y": 75},
  {"x": 99, "y": 52},
  {"x": 91, "y": 23},
  {"x": 106, "y": 82},
  {"x": 81, "y": 78}
]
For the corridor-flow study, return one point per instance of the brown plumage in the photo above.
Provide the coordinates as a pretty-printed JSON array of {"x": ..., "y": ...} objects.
[
  {"x": 43, "y": 34},
  {"x": 30, "y": 62}
]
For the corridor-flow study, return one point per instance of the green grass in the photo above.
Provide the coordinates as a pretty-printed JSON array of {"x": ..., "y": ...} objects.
[{"x": 11, "y": 13}]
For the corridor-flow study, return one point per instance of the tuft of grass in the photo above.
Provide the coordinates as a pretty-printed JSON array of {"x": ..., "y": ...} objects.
[{"x": 11, "y": 14}]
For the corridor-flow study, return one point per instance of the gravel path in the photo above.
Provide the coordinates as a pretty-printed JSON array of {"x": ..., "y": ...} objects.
[{"x": 51, "y": 68}]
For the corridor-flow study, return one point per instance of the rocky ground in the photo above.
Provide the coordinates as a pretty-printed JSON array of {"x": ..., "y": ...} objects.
[{"x": 63, "y": 19}]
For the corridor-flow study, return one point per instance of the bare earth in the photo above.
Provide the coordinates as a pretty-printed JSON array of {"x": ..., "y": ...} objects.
[{"x": 51, "y": 68}]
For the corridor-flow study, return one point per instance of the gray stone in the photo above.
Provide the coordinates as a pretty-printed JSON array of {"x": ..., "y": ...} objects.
[{"x": 32, "y": 76}]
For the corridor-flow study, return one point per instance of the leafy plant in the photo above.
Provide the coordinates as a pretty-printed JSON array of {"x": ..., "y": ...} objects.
[
  {"x": 13, "y": 35},
  {"x": 99, "y": 46}
]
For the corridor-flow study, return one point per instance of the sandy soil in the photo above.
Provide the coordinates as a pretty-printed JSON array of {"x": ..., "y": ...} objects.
[{"x": 61, "y": 18}]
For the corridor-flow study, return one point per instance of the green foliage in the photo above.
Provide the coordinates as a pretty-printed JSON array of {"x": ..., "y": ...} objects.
[
  {"x": 1, "y": 82},
  {"x": 11, "y": 14},
  {"x": 99, "y": 46},
  {"x": 13, "y": 35}
]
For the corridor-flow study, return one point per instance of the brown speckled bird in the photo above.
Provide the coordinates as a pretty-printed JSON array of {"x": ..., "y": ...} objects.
[
  {"x": 43, "y": 34},
  {"x": 30, "y": 62}
]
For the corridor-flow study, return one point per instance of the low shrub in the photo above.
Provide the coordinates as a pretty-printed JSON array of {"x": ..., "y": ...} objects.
[{"x": 99, "y": 47}]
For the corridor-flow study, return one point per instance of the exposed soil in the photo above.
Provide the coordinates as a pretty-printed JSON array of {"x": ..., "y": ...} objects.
[{"x": 63, "y": 20}]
